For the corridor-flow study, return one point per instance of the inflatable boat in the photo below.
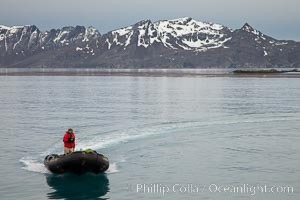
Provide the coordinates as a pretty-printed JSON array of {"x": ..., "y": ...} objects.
[{"x": 78, "y": 162}]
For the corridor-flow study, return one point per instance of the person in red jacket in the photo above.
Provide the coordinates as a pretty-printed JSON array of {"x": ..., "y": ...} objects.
[{"x": 69, "y": 141}]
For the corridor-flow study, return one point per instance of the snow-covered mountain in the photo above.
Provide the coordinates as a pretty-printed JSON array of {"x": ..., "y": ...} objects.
[
  {"x": 184, "y": 33},
  {"x": 27, "y": 39},
  {"x": 182, "y": 42}
]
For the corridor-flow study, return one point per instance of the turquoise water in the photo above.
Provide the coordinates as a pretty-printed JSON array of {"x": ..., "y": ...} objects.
[{"x": 166, "y": 137}]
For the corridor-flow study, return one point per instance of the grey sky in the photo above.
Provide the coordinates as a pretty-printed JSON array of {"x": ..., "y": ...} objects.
[{"x": 277, "y": 18}]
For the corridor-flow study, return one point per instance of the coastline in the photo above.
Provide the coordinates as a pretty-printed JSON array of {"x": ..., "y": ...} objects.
[{"x": 239, "y": 73}]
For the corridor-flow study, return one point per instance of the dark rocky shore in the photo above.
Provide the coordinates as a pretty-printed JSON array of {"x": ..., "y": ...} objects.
[{"x": 264, "y": 71}]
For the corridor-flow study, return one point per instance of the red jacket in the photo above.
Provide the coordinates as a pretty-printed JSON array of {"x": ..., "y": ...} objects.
[{"x": 67, "y": 143}]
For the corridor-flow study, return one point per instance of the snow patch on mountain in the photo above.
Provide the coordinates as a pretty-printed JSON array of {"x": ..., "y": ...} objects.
[
  {"x": 280, "y": 43},
  {"x": 90, "y": 32},
  {"x": 146, "y": 34},
  {"x": 122, "y": 31},
  {"x": 120, "y": 37},
  {"x": 4, "y": 27}
]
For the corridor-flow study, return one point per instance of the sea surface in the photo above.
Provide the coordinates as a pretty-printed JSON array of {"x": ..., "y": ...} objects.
[{"x": 166, "y": 137}]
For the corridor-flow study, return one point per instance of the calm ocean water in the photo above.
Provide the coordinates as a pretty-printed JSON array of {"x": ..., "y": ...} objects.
[{"x": 166, "y": 137}]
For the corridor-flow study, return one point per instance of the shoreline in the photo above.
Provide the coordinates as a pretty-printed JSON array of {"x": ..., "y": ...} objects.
[{"x": 154, "y": 73}]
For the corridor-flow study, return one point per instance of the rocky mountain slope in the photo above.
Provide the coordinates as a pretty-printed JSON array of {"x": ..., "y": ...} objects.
[{"x": 178, "y": 43}]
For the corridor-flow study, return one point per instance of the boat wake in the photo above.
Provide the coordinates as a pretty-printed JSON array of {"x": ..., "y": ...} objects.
[
  {"x": 113, "y": 168},
  {"x": 101, "y": 141},
  {"x": 113, "y": 138},
  {"x": 33, "y": 165}
]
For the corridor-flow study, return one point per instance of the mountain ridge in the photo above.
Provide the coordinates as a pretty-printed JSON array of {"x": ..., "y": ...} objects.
[{"x": 177, "y": 43}]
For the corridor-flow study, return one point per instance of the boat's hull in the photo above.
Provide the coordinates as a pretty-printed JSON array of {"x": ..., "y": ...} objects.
[{"x": 78, "y": 162}]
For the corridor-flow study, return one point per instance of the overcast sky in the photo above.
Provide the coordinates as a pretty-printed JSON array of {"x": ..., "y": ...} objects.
[{"x": 277, "y": 18}]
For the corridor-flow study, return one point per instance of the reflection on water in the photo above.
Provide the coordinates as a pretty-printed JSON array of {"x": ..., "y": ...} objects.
[{"x": 69, "y": 186}]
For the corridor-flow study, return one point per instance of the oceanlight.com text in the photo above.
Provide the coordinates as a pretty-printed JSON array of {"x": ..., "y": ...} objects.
[{"x": 247, "y": 189}]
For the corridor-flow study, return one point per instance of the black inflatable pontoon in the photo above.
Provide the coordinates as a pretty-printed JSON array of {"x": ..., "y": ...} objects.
[{"x": 78, "y": 162}]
